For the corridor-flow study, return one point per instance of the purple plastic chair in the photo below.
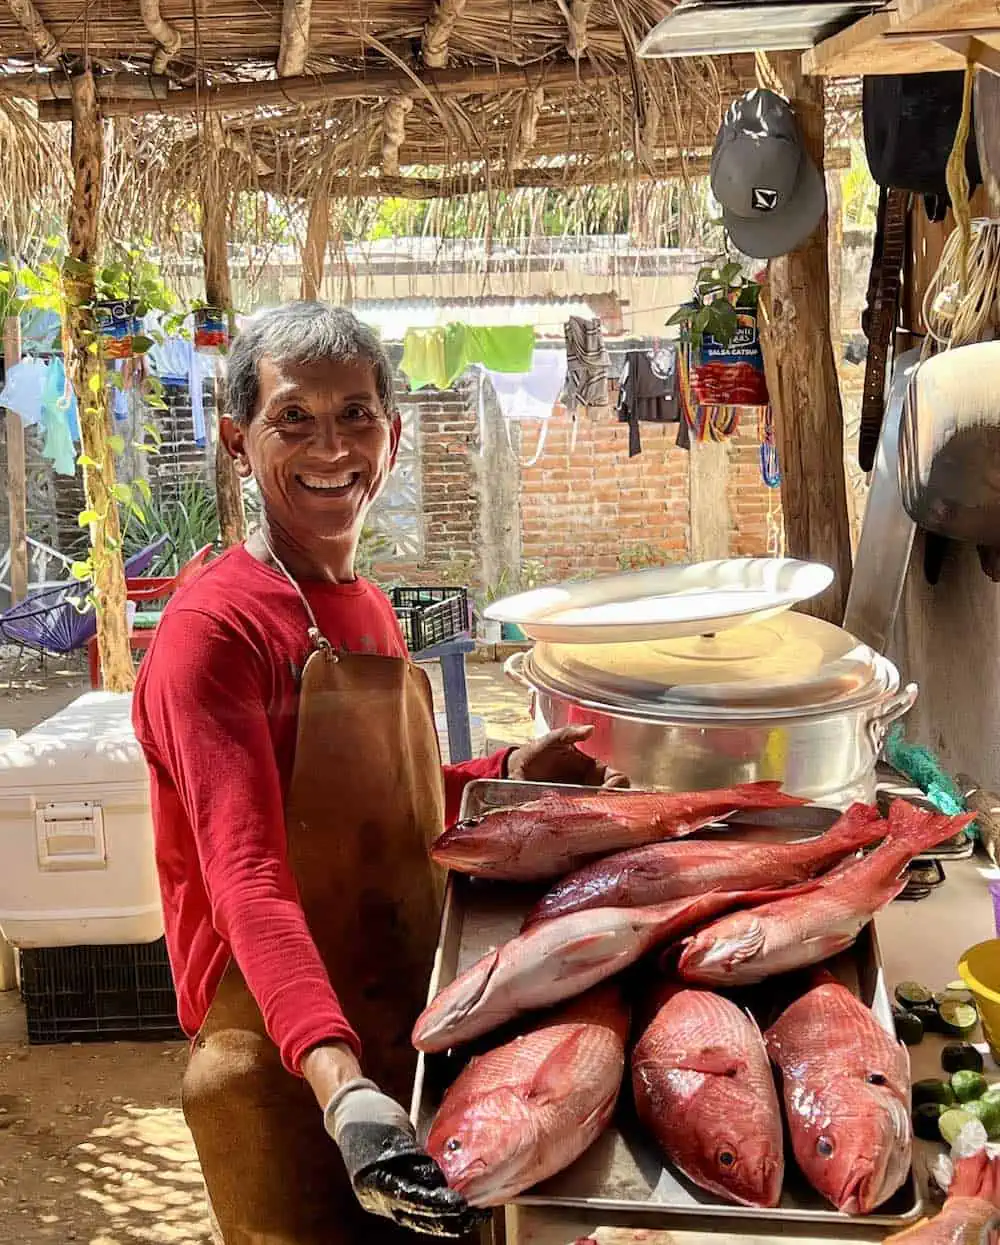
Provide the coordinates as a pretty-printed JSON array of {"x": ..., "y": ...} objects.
[{"x": 49, "y": 622}]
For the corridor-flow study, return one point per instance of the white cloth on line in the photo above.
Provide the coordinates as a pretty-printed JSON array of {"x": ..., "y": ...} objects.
[{"x": 527, "y": 397}]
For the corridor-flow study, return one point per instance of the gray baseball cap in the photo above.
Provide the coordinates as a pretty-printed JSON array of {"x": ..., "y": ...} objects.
[{"x": 772, "y": 195}]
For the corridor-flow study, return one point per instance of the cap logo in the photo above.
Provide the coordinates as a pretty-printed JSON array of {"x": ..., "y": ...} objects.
[{"x": 763, "y": 200}]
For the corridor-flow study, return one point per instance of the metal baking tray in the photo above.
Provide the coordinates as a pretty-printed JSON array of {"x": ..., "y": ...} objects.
[{"x": 622, "y": 1178}]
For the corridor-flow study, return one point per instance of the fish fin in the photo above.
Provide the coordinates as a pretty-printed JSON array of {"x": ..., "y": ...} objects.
[
  {"x": 590, "y": 950},
  {"x": 558, "y": 1074},
  {"x": 746, "y": 945},
  {"x": 712, "y": 1060},
  {"x": 828, "y": 944}
]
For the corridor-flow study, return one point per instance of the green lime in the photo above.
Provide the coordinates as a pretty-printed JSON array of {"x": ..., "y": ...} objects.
[
  {"x": 961, "y": 1056},
  {"x": 925, "y": 1120},
  {"x": 958, "y": 1019},
  {"x": 951, "y": 1123},
  {"x": 909, "y": 1026},
  {"x": 969, "y": 1085},
  {"x": 933, "y": 1090},
  {"x": 912, "y": 994},
  {"x": 987, "y": 1111}
]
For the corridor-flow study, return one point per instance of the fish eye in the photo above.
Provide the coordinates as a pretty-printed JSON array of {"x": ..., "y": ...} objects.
[
  {"x": 825, "y": 1147},
  {"x": 453, "y": 1144},
  {"x": 726, "y": 1158},
  {"x": 470, "y": 823},
  {"x": 876, "y": 1078}
]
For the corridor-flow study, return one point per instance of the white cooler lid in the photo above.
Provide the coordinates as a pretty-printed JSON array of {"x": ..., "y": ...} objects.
[{"x": 90, "y": 743}]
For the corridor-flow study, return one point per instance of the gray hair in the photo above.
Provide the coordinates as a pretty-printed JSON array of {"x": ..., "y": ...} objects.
[{"x": 301, "y": 332}]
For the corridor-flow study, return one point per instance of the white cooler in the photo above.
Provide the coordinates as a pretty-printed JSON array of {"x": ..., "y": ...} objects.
[{"x": 76, "y": 836}]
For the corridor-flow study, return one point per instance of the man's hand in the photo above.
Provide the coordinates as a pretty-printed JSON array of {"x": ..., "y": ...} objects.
[
  {"x": 389, "y": 1172},
  {"x": 556, "y": 758}
]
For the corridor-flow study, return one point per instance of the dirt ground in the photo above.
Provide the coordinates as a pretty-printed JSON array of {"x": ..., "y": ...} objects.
[{"x": 93, "y": 1147}]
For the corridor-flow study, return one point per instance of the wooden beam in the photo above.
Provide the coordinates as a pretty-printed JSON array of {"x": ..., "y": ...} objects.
[
  {"x": 863, "y": 49},
  {"x": 394, "y": 132},
  {"x": 215, "y": 204},
  {"x": 56, "y": 86},
  {"x": 46, "y": 44},
  {"x": 17, "y": 488},
  {"x": 330, "y": 88},
  {"x": 314, "y": 251},
  {"x": 576, "y": 14},
  {"x": 293, "y": 51},
  {"x": 168, "y": 37},
  {"x": 802, "y": 378},
  {"x": 708, "y": 492},
  {"x": 86, "y": 373},
  {"x": 437, "y": 32}
]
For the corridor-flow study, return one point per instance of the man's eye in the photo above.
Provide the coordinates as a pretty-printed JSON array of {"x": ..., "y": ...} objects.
[
  {"x": 357, "y": 414},
  {"x": 294, "y": 415}
]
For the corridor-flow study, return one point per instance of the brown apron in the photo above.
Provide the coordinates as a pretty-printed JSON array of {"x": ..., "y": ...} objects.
[{"x": 365, "y": 801}]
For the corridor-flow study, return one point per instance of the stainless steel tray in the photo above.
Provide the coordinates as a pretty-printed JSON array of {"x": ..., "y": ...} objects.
[{"x": 622, "y": 1178}]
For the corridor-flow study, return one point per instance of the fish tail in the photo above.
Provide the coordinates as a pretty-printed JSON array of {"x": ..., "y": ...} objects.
[
  {"x": 912, "y": 830},
  {"x": 860, "y": 825}
]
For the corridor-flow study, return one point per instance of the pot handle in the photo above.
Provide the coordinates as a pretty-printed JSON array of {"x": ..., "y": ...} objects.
[
  {"x": 891, "y": 710},
  {"x": 512, "y": 669}
]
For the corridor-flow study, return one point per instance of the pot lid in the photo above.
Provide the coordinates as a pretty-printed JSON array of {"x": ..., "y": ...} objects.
[
  {"x": 665, "y": 601},
  {"x": 787, "y": 664}
]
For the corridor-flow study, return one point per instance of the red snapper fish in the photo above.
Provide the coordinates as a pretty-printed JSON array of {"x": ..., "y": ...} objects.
[
  {"x": 704, "y": 1089},
  {"x": 525, "y": 1111},
  {"x": 846, "y": 1086},
  {"x": 662, "y": 871},
  {"x": 970, "y": 1215},
  {"x": 547, "y": 837},
  {"x": 794, "y": 932},
  {"x": 555, "y": 960}
]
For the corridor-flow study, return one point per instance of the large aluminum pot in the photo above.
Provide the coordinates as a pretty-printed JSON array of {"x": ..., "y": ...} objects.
[{"x": 792, "y": 699}]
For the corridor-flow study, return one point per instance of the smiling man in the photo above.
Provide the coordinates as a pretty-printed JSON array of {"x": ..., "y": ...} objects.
[{"x": 296, "y": 784}]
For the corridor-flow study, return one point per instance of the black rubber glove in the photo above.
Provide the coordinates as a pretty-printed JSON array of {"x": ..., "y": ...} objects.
[{"x": 390, "y": 1173}]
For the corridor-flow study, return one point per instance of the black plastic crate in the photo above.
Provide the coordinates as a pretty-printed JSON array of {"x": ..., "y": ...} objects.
[
  {"x": 431, "y": 615},
  {"x": 99, "y": 994}
]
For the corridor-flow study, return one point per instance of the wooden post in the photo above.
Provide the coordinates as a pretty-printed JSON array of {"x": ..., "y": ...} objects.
[
  {"x": 85, "y": 370},
  {"x": 802, "y": 378},
  {"x": 17, "y": 489},
  {"x": 218, "y": 293},
  {"x": 314, "y": 251},
  {"x": 708, "y": 481}
]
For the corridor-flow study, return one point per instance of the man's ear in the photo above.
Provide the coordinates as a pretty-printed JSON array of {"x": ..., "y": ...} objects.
[
  {"x": 234, "y": 439},
  {"x": 394, "y": 436}
]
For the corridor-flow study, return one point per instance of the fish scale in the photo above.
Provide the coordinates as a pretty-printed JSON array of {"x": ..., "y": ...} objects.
[
  {"x": 846, "y": 1086},
  {"x": 529, "y": 1108},
  {"x": 703, "y": 1087}
]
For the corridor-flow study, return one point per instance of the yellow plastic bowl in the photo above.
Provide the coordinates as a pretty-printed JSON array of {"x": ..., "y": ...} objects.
[{"x": 979, "y": 968}]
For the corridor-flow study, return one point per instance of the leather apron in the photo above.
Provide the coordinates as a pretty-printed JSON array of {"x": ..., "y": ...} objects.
[{"x": 366, "y": 800}]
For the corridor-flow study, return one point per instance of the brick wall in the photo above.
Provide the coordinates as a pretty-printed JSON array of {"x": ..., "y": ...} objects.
[
  {"x": 583, "y": 509},
  {"x": 750, "y": 500},
  {"x": 448, "y": 440}
]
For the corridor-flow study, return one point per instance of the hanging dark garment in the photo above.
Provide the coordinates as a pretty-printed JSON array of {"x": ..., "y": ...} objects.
[{"x": 648, "y": 392}]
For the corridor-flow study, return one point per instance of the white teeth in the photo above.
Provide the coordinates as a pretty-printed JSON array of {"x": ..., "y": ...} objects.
[{"x": 325, "y": 482}]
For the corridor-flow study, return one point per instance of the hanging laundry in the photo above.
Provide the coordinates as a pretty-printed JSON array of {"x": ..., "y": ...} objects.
[
  {"x": 436, "y": 357},
  {"x": 648, "y": 392},
  {"x": 532, "y": 395},
  {"x": 587, "y": 364},
  {"x": 23, "y": 388},
  {"x": 175, "y": 362},
  {"x": 57, "y": 386},
  {"x": 58, "y": 447}
]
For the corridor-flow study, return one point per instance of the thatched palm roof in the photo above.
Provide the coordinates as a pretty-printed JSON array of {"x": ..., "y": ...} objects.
[{"x": 515, "y": 92}]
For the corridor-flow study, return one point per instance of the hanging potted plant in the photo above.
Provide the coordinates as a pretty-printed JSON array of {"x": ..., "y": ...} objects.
[
  {"x": 211, "y": 328},
  {"x": 125, "y": 291}
]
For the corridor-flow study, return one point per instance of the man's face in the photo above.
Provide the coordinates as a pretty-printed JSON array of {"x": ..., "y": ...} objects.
[{"x": 320, "y": 446}]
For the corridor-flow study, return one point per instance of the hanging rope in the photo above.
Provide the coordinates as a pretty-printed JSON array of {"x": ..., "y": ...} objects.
[
  {"x": 954, "y": 319},
  {"x": 957, "y": 179}
]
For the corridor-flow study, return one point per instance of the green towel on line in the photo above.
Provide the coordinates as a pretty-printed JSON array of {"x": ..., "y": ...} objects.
[{"x": 438, "y": 356}]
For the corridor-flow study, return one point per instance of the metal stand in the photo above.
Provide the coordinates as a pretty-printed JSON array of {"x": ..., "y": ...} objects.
[{"x": 451, "y": 654}]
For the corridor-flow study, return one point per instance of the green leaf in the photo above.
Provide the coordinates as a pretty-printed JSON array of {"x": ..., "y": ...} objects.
[
  {"x": 141, "y": 343},
  {"x": 681, "y": 316},
  {"x": 94, "y": 382},
  {"x": 137, "y": 511},
  {"x": 122, "y": 493},
  {"x": 86, "y": 461},
  {"x": 143, "y": 487},
  {"x": 80, "y": 570},
  {"x": 700, "y": 319},
  {"x": 86, "y": 517},
  {"x": 75, "y": 267},
  {"x": 117, "y": 443}
]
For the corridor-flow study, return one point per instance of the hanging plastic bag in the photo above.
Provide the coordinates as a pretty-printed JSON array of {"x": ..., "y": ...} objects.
[{"x": 731, "y": 373}]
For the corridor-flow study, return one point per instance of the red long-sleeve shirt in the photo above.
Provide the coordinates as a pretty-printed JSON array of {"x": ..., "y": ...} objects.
[{"x": 215, "y": 710}]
